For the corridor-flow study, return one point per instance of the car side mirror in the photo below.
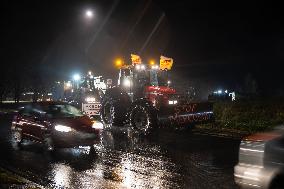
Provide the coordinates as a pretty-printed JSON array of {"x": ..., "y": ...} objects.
[
  {"x": 36, "y": 118},
  {"x": 39, "y": 117}
]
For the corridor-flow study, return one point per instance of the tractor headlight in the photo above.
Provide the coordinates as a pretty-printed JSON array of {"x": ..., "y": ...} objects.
[
  {"x": 126, "y": 82},
  {"x": 155, "y": 67},
  {"x": 171, "y": 102},
  {"x": 63, "y": 128},
  {"x": 97, "y": 125},
  {"x": 140, "y": 67}
]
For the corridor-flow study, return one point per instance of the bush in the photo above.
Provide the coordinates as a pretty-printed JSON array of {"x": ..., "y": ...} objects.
[{"x": 251, "y": 116}]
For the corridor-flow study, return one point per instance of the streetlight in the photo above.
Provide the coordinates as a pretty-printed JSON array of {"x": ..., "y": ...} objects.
[
  {"x": 76, "y": 77},
  {"x": 89, "y": 14}
]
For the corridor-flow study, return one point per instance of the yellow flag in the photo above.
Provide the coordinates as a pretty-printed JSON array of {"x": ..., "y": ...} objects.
[
  {"x": 166, "y": 63},
  {"x": 135, "y": 59}
]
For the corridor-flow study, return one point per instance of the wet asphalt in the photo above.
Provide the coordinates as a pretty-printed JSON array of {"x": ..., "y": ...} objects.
[{"x": 169, "y": 159}]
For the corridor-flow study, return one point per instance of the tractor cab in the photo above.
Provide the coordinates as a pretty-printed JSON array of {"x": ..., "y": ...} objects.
[{"x": 141, "y": 81}]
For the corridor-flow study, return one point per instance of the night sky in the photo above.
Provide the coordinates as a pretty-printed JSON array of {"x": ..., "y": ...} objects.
[{"x": 217, "y": 43}]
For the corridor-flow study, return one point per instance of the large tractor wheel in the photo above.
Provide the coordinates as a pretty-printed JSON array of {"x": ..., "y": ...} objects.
[
  {"x": 113, "y": 109},
  {"x": 142, "y": 118}
]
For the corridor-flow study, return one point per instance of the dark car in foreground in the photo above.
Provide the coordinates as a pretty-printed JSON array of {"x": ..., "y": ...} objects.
[
  {"x": 261, "y": 160},
  {"x": 54, "y": 124}
]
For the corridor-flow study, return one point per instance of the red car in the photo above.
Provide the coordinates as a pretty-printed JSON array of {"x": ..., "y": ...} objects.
[{"x": 55, "y": 125}]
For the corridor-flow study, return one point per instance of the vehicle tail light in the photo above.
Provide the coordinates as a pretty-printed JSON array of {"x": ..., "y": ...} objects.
[{"x": 262, "y": 136}]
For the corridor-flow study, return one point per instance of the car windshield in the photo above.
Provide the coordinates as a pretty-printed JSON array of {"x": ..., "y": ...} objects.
[{"x": 62, "y": 110}]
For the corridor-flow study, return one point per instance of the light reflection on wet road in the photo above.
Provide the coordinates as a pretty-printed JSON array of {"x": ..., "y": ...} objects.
[{"x": 168, "y": 160}]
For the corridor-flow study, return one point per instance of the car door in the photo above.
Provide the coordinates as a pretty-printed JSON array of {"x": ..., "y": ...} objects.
[
  {"x": 36, "y": 125},
  {"x": 24, "y": 120}
]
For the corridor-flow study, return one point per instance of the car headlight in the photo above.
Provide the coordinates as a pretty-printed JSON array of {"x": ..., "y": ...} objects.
[
  {"x": 62, "y": 128},
  {"x": 173, "y": 102},
  {"x": 97, "y": 125}
]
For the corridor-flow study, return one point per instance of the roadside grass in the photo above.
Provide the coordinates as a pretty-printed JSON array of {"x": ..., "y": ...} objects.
[
  {"x": 8, "y": 178},
  {"x": 250, "y": 116}
]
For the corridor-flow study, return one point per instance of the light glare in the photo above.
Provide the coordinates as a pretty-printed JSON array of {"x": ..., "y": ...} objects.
[
  {"x": 89, "y": 14},
  {"x": 76, "y": 77}
]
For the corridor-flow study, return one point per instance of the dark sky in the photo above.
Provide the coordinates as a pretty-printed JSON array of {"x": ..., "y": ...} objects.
[{"x": 216, "y": 42}]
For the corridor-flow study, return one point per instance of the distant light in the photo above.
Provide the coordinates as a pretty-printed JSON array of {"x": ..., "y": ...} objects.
[
  {"x": 118, "y": 63},
  {"x": 49, "y": 94},
  {"x": 142, "y": 67},
  {"x": 226, "y": 91},
  {"x": 76, "y": 77},
  {"x": 68, "y": 84},
  {"x": 90, "y": 73},
  {"x": 219, "y": 91},
  {"x": 89, "y": 14},
  {"x": 233, "y": 95},
  {"x": 169, "y": 82}
]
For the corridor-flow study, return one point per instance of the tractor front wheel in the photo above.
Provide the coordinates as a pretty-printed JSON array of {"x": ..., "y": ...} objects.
[{"x": 112, "y": 113}]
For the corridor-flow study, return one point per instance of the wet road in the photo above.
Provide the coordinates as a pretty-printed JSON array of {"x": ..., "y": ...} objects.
[{"x": 168, "y": 160}]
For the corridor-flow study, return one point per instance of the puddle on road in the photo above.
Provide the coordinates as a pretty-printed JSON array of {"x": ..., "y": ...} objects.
[
  {"x": 119, "y": 163},
  {"x": 127, "y": 161},
  {"x": 123, "y": 162}
]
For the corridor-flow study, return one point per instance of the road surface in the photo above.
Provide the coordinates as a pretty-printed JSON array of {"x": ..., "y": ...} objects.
[{"x": 172, "y": 159}]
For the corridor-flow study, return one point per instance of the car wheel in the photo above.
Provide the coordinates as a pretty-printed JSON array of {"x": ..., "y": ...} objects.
[
  {"x": 92, "y": 150},
  {"x": 278, "y": 183},
  {"x": 17, "y": 137}
]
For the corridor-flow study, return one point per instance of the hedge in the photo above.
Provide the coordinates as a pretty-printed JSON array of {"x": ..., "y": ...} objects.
[{"x": 251, "y": 116}]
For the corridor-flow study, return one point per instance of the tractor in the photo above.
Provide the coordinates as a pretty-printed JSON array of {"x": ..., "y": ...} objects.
[{"x": 145, "y": 101}]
